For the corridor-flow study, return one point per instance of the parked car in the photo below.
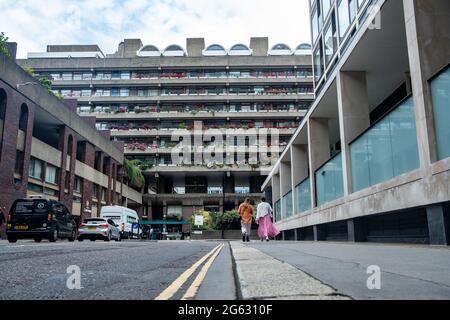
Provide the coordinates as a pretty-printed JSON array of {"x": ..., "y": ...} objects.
[
  {"x": 124, "y": 218},
  {"x": 38, "y": 219},
  {"x": 98, "y": 229}
]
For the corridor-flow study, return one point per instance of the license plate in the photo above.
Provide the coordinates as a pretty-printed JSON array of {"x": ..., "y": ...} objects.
[
  {"x": 92, "y": 228},
  {"x": 21, "y": 227}
]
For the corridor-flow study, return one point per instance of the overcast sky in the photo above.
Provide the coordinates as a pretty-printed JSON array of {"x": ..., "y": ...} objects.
[{"x": 35, "y": 23}]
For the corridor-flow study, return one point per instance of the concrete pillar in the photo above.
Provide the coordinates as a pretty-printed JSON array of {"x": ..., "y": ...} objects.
[
  {"x": 319, "y": 233},
  {"x": 356, "y": 231},
  {"x": 299, "y": 169},
  {"x": 437, "y": 225},
  {"x": 318, "y": 149},
  {"x": 354, "y": 116},
  {"x": 427, "y": 26},
  {"x": 88, "y": 158}
]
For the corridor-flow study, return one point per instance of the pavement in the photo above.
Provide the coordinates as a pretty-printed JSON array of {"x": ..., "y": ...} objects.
[{"x": 222, "y": 270}]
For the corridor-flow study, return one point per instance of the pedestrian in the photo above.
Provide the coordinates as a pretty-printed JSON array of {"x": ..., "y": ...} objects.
[
  {"x": 246, "y": 212},
  {"x": 2, "y": 223},
  {"x": 264, "y": 216},
  {"x": 150, "y": 234}
]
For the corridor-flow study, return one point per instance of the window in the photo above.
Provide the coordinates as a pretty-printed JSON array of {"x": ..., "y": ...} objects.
[
  {"x": 77, "y": 76},
  {"x": 326, "y": 5},
  {"x": 440, "y": 91},
  {"x": 329, "y": 181},
  {"x": 86, "y": 92},
  {"x": 344, "y": 17},
  {"x": 303, "y": 194},
  {"x": 318, "y": 62},
  {"x": 35, "y": 169},
  {"x": 242, "y": 190},
  {"x": 124, "y": 92},
  {"x": 125, "y": 75},
  {"x": 67, "y": 76},
  {"x": 315, "y": 25},
  {"x": 330, "y": 40},
  {"x": 77, "y": 184},
  {"x": 215, "y": 190},
  {"x": 51, "y": 174},
  {"x": 115, "y": 92}
]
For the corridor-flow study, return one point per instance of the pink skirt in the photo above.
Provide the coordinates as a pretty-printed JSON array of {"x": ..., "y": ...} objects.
[{"x": 267, "y": 228}]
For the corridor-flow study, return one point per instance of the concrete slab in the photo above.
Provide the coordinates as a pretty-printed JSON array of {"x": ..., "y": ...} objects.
[{"x": 262, "y": 277}]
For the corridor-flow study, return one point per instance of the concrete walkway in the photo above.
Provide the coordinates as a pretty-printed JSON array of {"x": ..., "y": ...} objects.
[
  {"x": 406, "y": 271},
  {"x": 261, "y": 277}
]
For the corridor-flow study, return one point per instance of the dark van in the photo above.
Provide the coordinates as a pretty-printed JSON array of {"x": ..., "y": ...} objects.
[{"x": 40, "y": 219}]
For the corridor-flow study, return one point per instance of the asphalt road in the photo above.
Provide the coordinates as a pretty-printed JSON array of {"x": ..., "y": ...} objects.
[
  {"x": 407, "y": 271},
  {"x": 130, "y": 270}
]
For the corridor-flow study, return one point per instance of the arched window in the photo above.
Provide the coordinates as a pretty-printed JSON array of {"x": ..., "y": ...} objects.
[
  {"x": 303, "y": 48},
  {"x": 174, "y": 50},
  {"x": 21, "y": 142},
  {"x": 240, "y": 50},
  {"x": 280, "y": 49},
  {"x": 215, "y": 50},
  {"x": 149, "y": 51},
  {"x": 3, "y": 100}
]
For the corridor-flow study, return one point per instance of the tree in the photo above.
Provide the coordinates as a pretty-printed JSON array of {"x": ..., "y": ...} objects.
[
  {"x": 3, "y": 46},
  {"x": 134, "y": 174}
]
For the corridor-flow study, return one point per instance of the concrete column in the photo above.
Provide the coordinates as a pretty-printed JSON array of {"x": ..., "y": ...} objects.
[
  {"x": 260, "y": 46},
  {"x": 299, "y": 169},
  {"x": 437, "y": 226},
  {"x": 356, "y": 231},
  {"x": 354, "y": 116},
  {"x": 319, "y": 149},
  {"x": 88, "y": 158},
  {"x": 195, "y": 47},
  {"x": 427, "y": 26},
  {"x": 319, "y": 233}
]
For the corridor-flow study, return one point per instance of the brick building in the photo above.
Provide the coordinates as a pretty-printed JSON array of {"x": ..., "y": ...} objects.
[{"x": 47, "y": 149}]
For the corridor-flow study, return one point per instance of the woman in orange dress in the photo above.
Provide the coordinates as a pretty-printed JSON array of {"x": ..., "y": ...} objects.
[{"x": 246, "y": 212}]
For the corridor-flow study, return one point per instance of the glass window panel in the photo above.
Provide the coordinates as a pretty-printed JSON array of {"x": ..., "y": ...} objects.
[
  {"x": 440, "y": 90},
  {"x": 344, "y": 17},
  {"x": 360, "y": 164},
  {"x": 380, "y": 152},
  {"x": 287, "y": 205},
  {"x": 404, "y": 138},
  {"x": 303, "y": 193},
  {"x": 329, "y": 181}
]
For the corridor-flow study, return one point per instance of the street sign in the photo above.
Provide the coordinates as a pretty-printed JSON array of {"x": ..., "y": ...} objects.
[{"x": 199, "y": 221}]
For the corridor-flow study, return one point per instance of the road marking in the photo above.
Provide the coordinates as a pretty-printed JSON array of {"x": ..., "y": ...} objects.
[
  {"x": 176, "y": 285},
  {"x": 193, "y": 289}
]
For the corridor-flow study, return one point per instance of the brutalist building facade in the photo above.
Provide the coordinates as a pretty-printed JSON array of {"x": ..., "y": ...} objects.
[{"x": 145, "y": 96}]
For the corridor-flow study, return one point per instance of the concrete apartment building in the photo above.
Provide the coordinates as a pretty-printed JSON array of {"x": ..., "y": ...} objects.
[
  {"x": 144, "y": 95},
  {"x": 371, "y": 159},
  {"x": 47, "y": 150}
]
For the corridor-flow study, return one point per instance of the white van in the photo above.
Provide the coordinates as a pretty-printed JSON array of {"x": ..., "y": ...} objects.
[{"x": 123, "y": 217}]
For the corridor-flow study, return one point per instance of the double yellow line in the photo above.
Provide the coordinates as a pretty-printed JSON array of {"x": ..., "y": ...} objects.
[{"x": 193, "y": 289}]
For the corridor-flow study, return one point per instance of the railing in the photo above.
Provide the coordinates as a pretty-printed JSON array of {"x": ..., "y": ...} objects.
[
  {"x": 303, "y": 196},
  {"x": 387, "y": 149},
  {"x": 329, "y": 181},
  {"x": 277, "y": 209}
]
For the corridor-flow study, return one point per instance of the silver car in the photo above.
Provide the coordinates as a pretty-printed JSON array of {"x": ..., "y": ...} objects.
[{"x": 98, "y": 229}]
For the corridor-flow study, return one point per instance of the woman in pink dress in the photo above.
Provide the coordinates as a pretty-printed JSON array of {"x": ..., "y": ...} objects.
[{"x": 264, "y": 220}]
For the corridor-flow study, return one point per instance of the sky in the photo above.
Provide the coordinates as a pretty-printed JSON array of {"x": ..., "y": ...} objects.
[{"x": 34, "y": 24}]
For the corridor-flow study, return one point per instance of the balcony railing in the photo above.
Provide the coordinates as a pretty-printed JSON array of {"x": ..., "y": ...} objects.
[
  {"x": 329, "y": 181},
  {"x": 303, "y": 196},
  {"x": 387, "y": 149}
]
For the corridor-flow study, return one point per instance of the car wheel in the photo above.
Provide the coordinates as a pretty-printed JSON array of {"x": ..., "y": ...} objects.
[
  {"x": 108, "y": 238},
  {"x": 38, "y": 240},
  {"x": 54, "y": 236},
  {"x": 12, "y": 240},
  {"x": 93, "y": 240},
  {"x": 80, "y": 239},
  {"x": 73, "y": 237}
]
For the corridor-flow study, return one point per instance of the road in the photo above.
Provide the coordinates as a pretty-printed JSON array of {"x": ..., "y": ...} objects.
[
  {"x": 205, "y": 270},
  {"x": 129, "y": 270}
]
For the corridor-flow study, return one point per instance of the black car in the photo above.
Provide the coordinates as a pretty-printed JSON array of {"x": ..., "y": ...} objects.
[{"x": 40, "y": 219}]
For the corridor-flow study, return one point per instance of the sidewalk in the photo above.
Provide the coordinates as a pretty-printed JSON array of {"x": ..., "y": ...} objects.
[{"x": 261, "y": 277}]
